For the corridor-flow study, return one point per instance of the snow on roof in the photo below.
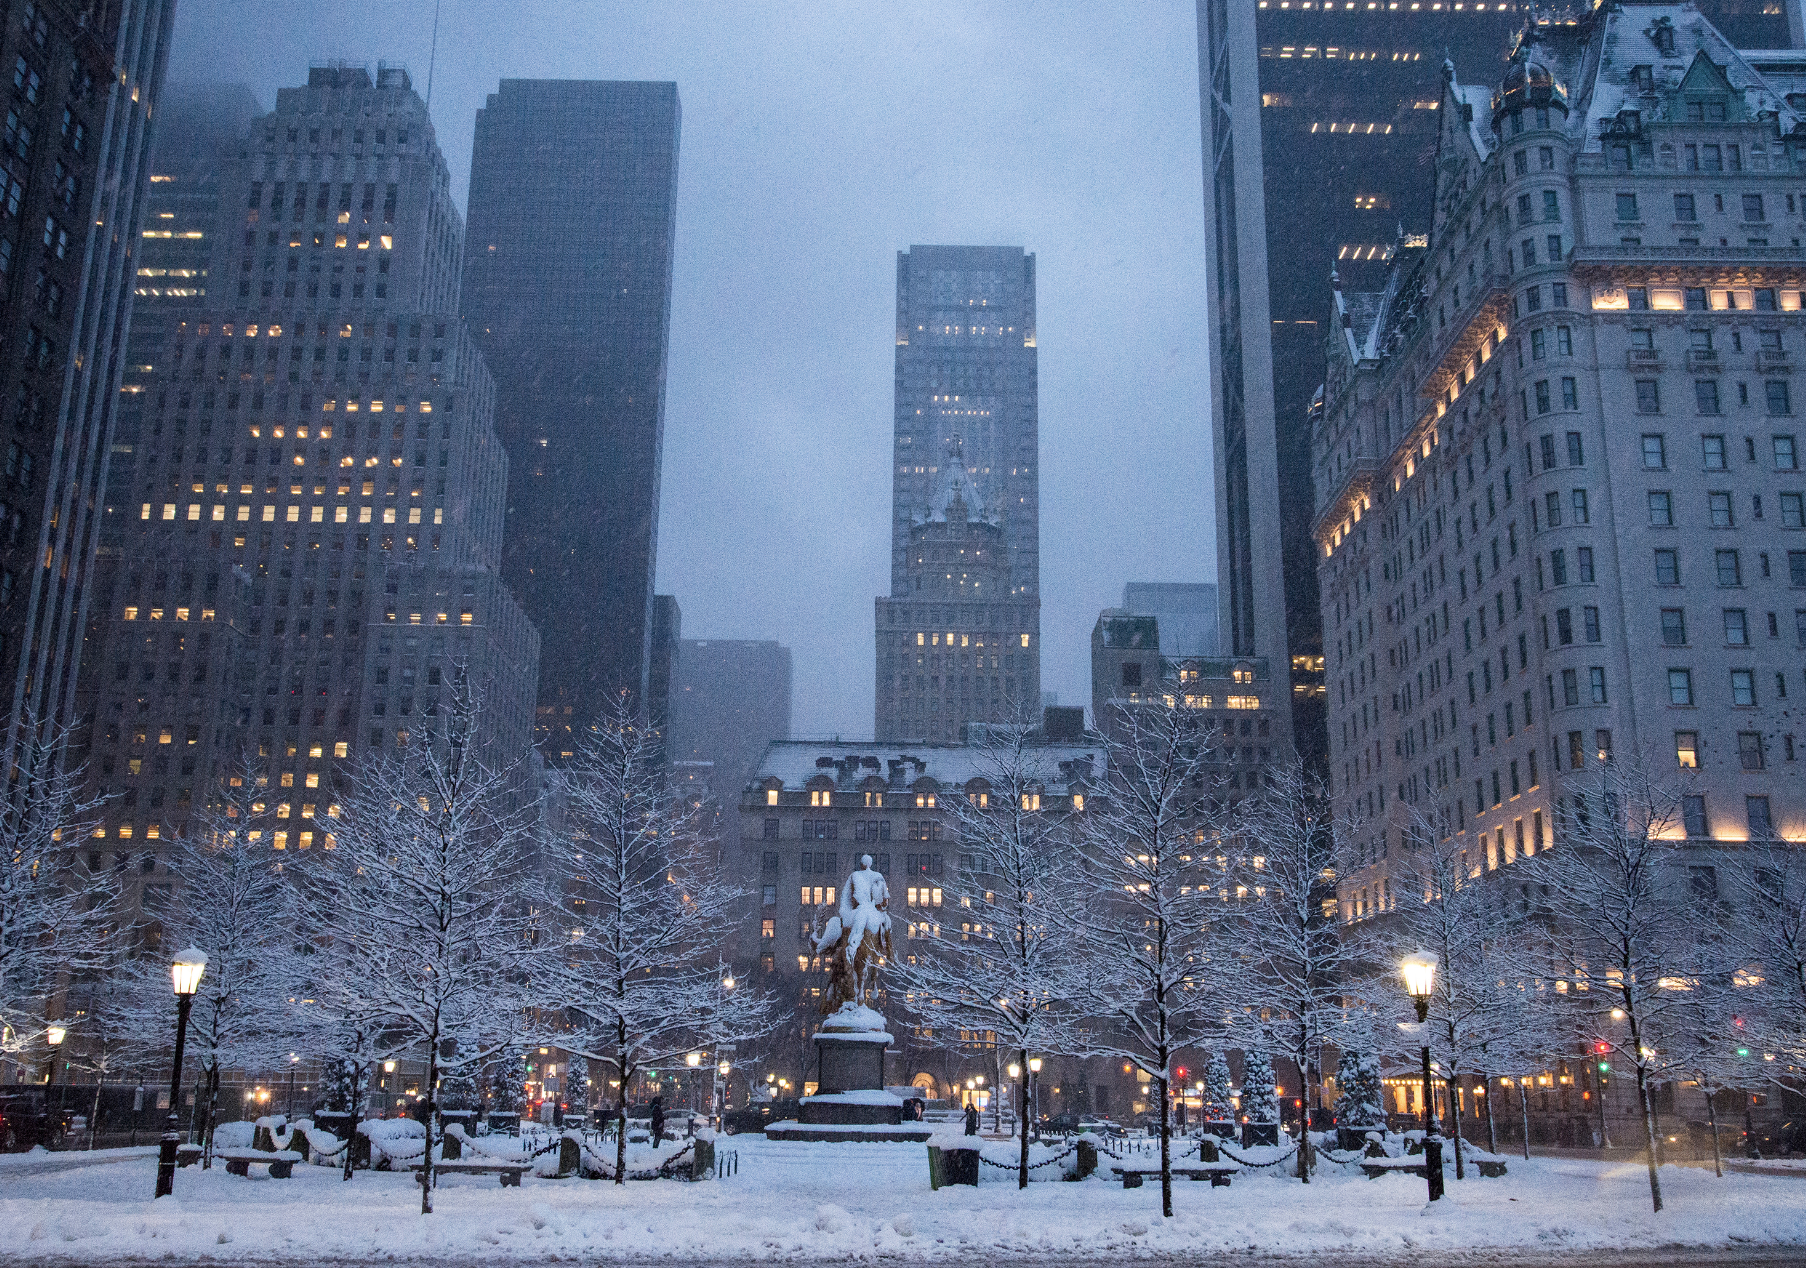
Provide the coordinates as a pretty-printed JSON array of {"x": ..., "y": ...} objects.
[{"x": 796, "y": 762}]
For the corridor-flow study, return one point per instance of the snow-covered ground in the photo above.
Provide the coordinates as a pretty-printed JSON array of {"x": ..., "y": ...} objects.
[{"x": 809, "y": 1201}]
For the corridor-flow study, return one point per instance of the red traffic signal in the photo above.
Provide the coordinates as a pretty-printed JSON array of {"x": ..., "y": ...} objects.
[{"x": 1601, "y": 1046}]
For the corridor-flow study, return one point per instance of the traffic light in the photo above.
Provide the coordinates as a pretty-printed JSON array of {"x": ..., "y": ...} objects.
[
  {"x": 1601, "y": 1046},
  {"x": 1605, "y": 1067}
]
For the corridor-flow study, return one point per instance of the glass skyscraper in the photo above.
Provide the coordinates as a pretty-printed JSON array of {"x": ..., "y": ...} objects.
[
  {"x": 567, "y": 286},
  {"x": 959, "y": 637},
  {"x": 1320, "y": 125}
]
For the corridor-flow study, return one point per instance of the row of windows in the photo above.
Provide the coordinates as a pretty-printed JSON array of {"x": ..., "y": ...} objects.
[
  {"x": 1686, "y": 206},
  {"x": 1706, "y": 398},
  {"x": 1727, "y": 566},
  {"x": 1713, "y": 454},
  {"x": 1636, "y": 299},
  {"x": 1743, "y": 687},
  {"x": 1736, "y": 627},
  {"x": 1752, "y": 750},
  {"x": 292, "y": 515}
]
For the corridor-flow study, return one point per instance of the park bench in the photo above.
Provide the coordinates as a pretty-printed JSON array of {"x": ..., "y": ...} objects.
[
  {"x": 1377, "y": 1167},
  {"x": 281, "y": 1162},
  {"x": 1217, "y": 1173},
  {"x": 510, "y": 1172}
]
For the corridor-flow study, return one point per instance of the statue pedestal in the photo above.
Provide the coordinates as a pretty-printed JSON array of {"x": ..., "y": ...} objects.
[{"x": 851, "y": 1103}]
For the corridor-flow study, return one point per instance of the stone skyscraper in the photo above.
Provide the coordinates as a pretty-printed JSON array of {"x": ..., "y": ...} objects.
[
  {"x": 86, "y": 82},
  {"x": 959, "y": 636},
  {"x": 573, "y": 201},
  {"x": 1299, "y": 99},
  {"x": 308, "y": 524}
]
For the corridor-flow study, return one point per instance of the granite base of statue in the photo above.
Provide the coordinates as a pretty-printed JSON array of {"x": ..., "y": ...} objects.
[{"x": 850, "y": 1103}]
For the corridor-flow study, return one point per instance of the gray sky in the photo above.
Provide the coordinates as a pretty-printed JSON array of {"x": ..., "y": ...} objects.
[{"x": 820, "y": 138}]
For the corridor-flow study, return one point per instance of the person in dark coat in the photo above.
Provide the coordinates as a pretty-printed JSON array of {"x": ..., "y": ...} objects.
[
  {"x": 658, "y": 1120},
  {"x": 971, "y": 1119}
]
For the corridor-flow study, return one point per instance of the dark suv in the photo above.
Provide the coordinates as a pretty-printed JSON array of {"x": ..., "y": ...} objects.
[{"x": 27, "y": 1118}]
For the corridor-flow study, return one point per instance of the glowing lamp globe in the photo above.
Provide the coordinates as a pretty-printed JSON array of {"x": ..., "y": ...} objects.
[
  {"x": 1419, "y": 972},
  {"x": 186, "y": 972}
]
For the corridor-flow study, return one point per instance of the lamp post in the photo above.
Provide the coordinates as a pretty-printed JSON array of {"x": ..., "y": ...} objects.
[
  {"x": 293, "y": 1061},
  {"x": 1034, "y": 1095},
  {"x": 185, "y": 976},
  {"x": 1419, "y": 972},
  {"x": 54, "y": 1036}
]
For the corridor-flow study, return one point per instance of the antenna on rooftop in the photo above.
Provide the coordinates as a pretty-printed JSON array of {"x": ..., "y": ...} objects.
[{"x": 432, "y": 56}]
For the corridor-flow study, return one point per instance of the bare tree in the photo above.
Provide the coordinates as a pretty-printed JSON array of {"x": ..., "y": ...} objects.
[
  {"x": 1769, "y": 936},
  {"x": 1152, "y": 933},
  {"x": 1291, "y": 974},
  {"x": 642, "y": 911},
  {"x": 57, "y": 918},
  {"x": 1013, "y": 968},
  {"x": 421, "y": 898},
  {"x": 1618, "y": 914},
  {"x": 233, "y": 902},
  {"x": 1480, "y": 1007}
]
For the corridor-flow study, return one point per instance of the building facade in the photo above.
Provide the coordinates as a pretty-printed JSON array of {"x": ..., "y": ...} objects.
[
  {"x": 567, "y": 285},
  {"x": 966, "y": 433},
  {"x": 307, "y": 518},
  {"x": 1299, "y": 99},
  {"x": 811, "y": 809},
  {"x": 73, "y": 162},
  {"x": 1560, "y": 493},
  {"x": 730, "y": 701}
]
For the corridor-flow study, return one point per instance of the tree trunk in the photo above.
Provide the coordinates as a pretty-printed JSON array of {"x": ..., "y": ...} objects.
[
  {"x": 432, "y": 1104},
  {"x": 1166, "y": 1151},
  {"x": 357, "y": 1104},
  {"x": 621, "y": 1135},
  {"x": 1492, "y": 1131},
  {"x": 1022, "y": 1113},
  {"x": 1712, "y": 1121},
  {"x": 207, "y": 1122},
  {"x": 1305, "y": 1154},
  {"x": 1649, "y": 1127},
  {"x": 94, "y": 1118},
  {"x": 1455, "y": 1118}
]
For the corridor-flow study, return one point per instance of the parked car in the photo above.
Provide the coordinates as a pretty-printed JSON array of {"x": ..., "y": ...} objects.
[
  {"x": 755, "y": 1117},
  {"x": 27, "y": 1119}
]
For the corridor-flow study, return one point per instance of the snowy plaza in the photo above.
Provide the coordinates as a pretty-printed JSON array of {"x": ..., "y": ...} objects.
[{"x": 816, "y": 1202}]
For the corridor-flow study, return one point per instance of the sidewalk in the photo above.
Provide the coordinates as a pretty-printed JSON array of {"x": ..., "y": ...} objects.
[{"x": 18, "y": 1166}]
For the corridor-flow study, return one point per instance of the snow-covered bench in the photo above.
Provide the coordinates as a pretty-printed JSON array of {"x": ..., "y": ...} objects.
[
  {"x": 510, "y": 1172},
  {"x": 280, "y": 1162},
  {"x": 1377, "y": 1167},
  {"x": 1217, "y": 1173}
]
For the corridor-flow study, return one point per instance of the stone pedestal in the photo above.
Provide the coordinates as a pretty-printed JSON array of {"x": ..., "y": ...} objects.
[{"x": 850, "y": 1103}]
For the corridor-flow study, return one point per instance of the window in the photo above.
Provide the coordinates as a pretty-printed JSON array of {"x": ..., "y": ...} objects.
[
  {"x": 1552, "y": 501},
  {"x": 1570, "y": 396},
  {"x": 1643, "y": 338},
  {"x": 1558, "y": 567},
  {"x": 1674, "y": 627},
  {"x": 1583, "y": 562},
  {"x": 1736, "y": 627},
  {"x": 1543, "y": 405},
  {"x": 1596, "y": 683},
  {"x": 1730, "y": 568},
  {"x": 1743, "y": 687},
  {"x": 1793, "y": 514},
  {"x": 1655, "y": 447},
  {"x": 1551, "y": 206},
  {"x": 1762, "y": 824},
  {"x": 1776, "y": 391},
  {"x": 1539, "y": 344},
  {"x": 1578, "y": 500},
  {"x": 1680, "y": 686},
  {"x": 1548, "y": 448},
  {"x": 1564, "y": 341},
  {"x": 1627, "y": 206},
  {"x": 1720, "y": 506},
  {"x": 1686, "y": 749},
  {"x": 1705, "y": 395},
  {"x": 1564, "y": 626},
  {"x": 1668, "y": 567},
  {"x": 1661, "y": 508},
  {"x": 1786, "y": 456},
  {"x": 1752, "y": 207},
  {"x": 1796, "y": 567},
  {"x": 1570, "y": 687},
  {"x": 1749, "y": 750},
  {"x": 1693, "y": 816},
  {"x": 1711, "y": 452},
  {"x": 1702, "y": 883},
  {"x": 1683, "y": 207},
  {"x": 1576, "y": 451}
]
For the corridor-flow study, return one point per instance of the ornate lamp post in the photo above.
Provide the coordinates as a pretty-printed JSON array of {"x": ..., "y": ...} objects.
[
  {"x": 1419, "y": 972},
  {"x": 1034, "y": 1095},
  {"x": 185, "y": 975}
]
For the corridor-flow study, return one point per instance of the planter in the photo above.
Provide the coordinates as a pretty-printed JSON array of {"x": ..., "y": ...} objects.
[
  {"x": 1259, "y": 1134},
  {"x": 952, "y": 1165},
  {"x": 1349, "y": 1139},
  {"x": 1224, "y": 1130}
]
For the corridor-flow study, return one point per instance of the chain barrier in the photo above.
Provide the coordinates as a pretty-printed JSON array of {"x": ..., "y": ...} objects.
[
  {"x": 1247, "y": 1162},
  {"x": 1033, "y": 1166}
]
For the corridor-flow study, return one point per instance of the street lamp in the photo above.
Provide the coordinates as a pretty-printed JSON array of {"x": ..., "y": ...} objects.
[
  {"x": 54, "y": 1036},
  {"x": 1034, "y": 1094},
  {"x": 293, "y": 1061},
  {"x": 1419, "y": 972},
  {"x": 185, "y": 976}
]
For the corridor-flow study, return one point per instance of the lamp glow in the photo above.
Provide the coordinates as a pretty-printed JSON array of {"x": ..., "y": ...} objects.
[
  {"x": 1034, "y": 1065},
  {"x": 54, "y": 1035},
  {"x": 1419, "y": 972},
  {"x": 186, "y": 972},
  {"x": 693, "y": 1059}
]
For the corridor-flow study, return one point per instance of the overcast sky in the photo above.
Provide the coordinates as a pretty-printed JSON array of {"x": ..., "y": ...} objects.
[{"x": 819, "y": 139}]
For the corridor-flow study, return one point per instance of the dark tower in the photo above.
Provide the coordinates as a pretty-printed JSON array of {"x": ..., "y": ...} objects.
[{"x": 567, "y": 286}]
